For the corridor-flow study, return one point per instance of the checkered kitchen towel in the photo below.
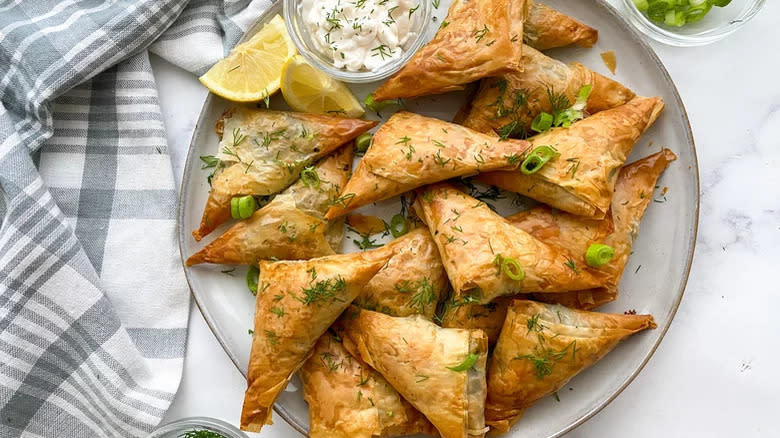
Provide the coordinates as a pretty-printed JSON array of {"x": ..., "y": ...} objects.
[{"x": 93, "y": 302}]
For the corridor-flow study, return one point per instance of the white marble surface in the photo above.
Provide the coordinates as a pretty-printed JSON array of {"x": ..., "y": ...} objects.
[{"x": 714, "y": 373}]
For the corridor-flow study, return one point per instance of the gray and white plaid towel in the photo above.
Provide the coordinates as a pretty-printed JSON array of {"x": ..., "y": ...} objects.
[{"x": 93, "y": 302}]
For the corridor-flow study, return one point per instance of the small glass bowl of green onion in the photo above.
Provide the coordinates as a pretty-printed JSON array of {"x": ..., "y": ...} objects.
[{"x": 690, "y": 22}]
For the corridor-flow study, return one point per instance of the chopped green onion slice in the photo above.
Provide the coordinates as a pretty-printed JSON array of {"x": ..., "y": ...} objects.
[
  {"x": 310, "y": 177},
  {"x": 531, "y": 165},
  {"x": 234, "y": 208},
  {"x": 538, "y": 158},
  {"x": 674, "y": 18},
  {"x": 568, "y": 116},
  {"x": 542, "y": 122},
  {"x": 697, "y": 12},
  {"x": 657, "y": 9},
  {"x": 363, "y": 141},
  {"x": 251, "y": 279},
  {"x": 375, "y": 106},
  {"x": 242, "y": 207},
  {"x": 398, "y": 225},
  {"x": 582, "y": 97},
  {"x": 641, "y": 5},
  {"x": 599, "y": 255},
  {"x": 719, "y": 3},
  {"x": 546, "y": 152},
  {"x": 512, "y": 269},
  {"x": 471, "y": 359}
]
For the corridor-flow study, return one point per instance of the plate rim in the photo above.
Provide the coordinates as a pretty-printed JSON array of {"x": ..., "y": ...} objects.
[{"x": 275, "y": 8}]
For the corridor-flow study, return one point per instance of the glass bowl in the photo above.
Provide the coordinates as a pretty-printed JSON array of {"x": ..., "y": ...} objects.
[
  {"x": 302, "y": 39},
  {"x": 716, "y": 25},
  {"x": 177, "y": 428}
]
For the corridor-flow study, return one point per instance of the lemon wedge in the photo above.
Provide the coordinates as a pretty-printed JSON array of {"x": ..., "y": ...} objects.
[
  {"x": 309, "y": 90},
  {"x": 252, "y": 70}
]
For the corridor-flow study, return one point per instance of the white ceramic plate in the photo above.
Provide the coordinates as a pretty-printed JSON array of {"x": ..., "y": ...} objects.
[{"x": 654, "y": 279}]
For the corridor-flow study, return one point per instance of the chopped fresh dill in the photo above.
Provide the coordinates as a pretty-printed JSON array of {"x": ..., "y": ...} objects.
[
  {"x": 343, "y": 201},
  {"x": 366, "y": 242},
  {"x": 480, "y": 33},
  {"x": 425, "y": 295},
  {"x": 544, "y": 359},
  {"x": 328, "y": 361},
  {"x": 533, "y": 324},
  {"x": 409, "y": 153},
  {"x": 273, "y": 338},
  {"x": 513, "y": 159},
  {"x": 323, "y": 290},
  {"x": 558, "y": 101},
  {"x": 575, "y": 164},
  {"x": 438, "y": 159},
  {"x": 570, "y": 264},
  {"x": 507, "y": 130},
  {"x": 362, "y": 380},
  {"x": 383, "y": 51}
]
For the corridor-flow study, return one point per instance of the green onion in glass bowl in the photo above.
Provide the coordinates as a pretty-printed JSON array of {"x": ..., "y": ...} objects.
[{"x": 690, "y": 22}]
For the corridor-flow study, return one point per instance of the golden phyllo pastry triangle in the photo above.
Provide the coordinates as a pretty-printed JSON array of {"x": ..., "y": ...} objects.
[
  {"x": 289, "y": 227},
  {"x": 411, "y": 282},
  {"x": 508, "y": 103},
  {"x": 349, "y": 399},
  {"x": 545, "y": 28},
  {"x": 485, "y": 256},
  {"x": 581, "y": 179},
  {"x": 440, "y": 371},
  {"x": 262, "y": 152},
  {"x": 633, "y": 193},
  {"x": 411, "y": 150},
  {"x": 479, "y": 38},
  {"x": 296, "y": 303},
  {"x": 541, "y": 347}
]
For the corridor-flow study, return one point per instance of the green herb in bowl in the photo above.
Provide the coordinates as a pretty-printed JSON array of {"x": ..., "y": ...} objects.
[
  {"x": 202, "y": 433},
  {"x": 677, "y": 12}
]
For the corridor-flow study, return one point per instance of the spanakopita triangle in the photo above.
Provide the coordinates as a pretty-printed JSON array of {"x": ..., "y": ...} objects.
[
  {"x": 411, "y": 150},
  {"x": 541, "y": 347},
  {"x": 296, "y": 303},
  {"x": 486, "y": 257},
  {"x": 261, "y": 152},
  {"x": 481, "y": 38},
  {"x": 292, "y": 225},
  {"x": 440, "y": 371},
  {"x": 507, "y": 104},
  {"x": 349, "y": 399},
  {"x": 580, "y": 179}
]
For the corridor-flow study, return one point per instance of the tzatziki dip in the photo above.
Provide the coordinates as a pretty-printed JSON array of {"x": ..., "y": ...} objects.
[{"x": 360, "y": 35}]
